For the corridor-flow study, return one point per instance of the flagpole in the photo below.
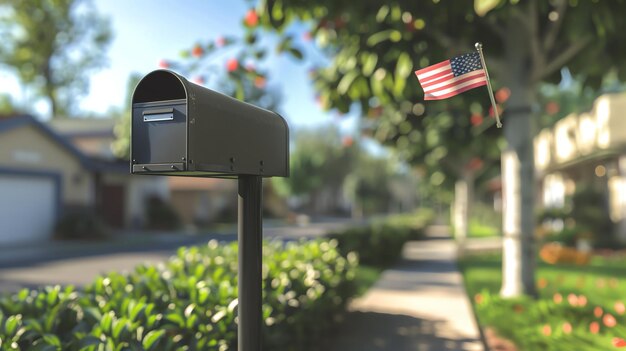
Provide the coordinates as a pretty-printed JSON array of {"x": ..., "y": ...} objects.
[{"x": 479, "y": 47}]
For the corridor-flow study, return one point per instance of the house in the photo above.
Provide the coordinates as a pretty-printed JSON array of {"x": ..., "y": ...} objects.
[
  {"x": 196, "y": 201},
  {"x": 44, "y": 175},
  {"x": 587, "y": 150},
  {"x": 200, "y": 201}
]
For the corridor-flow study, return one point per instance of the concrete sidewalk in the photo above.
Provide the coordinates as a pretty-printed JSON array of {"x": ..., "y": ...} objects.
[{"x": 418, "y": 305}]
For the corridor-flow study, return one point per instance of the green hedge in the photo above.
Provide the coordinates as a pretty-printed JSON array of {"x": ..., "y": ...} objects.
[
  {"x": 380, "y": 243},
  {"x": 187, "y": 303}
]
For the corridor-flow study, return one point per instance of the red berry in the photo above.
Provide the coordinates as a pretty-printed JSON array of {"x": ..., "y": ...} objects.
[
  {"x": 259, "y": 82},
  {"x": 252, "y": 18},
  {"x": 476, "y": 119},
  {"x": 220, "y": 41},
  {"x": 164, "y": 64},
  {"x": 347, "y": 141},
  {"x": 552, "y": 108},
  {"x": 197, "y": 51},
  {"x": 232, "y": 65},
  {"x": 503, "y": 94}
]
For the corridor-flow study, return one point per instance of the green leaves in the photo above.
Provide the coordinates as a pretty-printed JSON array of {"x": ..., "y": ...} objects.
[
  {"x": 389, "y": 34},
  {"x": 189, "y": 301},
  {"x": 482, "y": 7},
  {"x": 150, "y": 341}
]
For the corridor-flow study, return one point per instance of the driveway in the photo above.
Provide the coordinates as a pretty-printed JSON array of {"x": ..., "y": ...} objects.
[{"x": 78, "y": 263}]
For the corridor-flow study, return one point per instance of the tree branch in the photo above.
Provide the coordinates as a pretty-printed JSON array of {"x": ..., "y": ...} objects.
[
  {"x": 539, "y": 60},
  {"x": 493, "y": 24},
  {"x": 555, "y": 27},
  {"x": 562, "y": 59}
]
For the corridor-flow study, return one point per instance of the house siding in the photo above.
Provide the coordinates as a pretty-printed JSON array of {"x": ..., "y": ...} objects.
[{"x": 26, "y": 148}]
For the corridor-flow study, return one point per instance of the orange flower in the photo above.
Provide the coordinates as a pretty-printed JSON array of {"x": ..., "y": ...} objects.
[
  {"x": 518, "y": 308},
  {"x": 582, "y": 300},
  {"x": 558, "y": 298},
  {"x": 546, "y": 330},
  {"x": 542, "y": 283},
  {"x": 619, "y": 307},
  {"x": 598, "y": 312},
  {"x": 572, "y": 299},
  {"x": 609, "y": 320},
  {"x": 594, "y": 327},
  {"x": 567, "y": 328},
  {"x": 619, "y": 342},
  {"x": 600, "y": 283}
]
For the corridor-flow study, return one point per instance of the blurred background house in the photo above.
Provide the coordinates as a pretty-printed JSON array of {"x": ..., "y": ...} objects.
[
  {"x": 581, "y": 166},
  {"x": 48, "y": 171}
]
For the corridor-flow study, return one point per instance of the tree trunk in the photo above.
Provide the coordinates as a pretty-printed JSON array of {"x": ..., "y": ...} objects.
[
  {"x": 50, "y": 91},
  {"x": 518, "y": 265},
  {"x": 463, "y": 193}
]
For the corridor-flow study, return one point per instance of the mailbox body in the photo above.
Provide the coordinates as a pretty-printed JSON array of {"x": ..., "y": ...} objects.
[{"x": 182, "y": 129}]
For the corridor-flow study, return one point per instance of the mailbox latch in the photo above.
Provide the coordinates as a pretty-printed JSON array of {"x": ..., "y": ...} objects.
[{"x": 158, "y": 115}]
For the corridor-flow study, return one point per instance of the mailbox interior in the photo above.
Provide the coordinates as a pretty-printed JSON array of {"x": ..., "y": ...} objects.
[{"x": 159, "y": 125}]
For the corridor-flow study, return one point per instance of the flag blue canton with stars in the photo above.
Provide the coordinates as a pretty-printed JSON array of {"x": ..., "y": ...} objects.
[{"x": 465, "y": 63}]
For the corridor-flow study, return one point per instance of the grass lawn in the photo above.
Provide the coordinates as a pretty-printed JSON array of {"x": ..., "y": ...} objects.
[
  {"x": 579, "y": 308},
  {"x": 478, "y": 230}
]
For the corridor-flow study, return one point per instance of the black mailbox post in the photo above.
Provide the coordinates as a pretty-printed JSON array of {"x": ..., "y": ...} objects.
[{"x": 182, "y": 129}]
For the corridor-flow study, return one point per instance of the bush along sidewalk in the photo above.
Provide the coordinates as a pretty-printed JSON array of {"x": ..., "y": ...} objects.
[
  {"x": 187, "y": 303},
  {"x": 380, "y": 243}
]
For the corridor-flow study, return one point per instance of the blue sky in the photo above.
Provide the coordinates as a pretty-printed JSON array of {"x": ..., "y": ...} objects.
[{"x": 146, "y": 31}]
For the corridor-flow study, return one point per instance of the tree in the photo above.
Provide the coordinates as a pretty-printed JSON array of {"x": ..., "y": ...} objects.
[
  {"x": 320, "y": 161},
  {"x": 53, "y": 46},
  {"x": 7, "y": 107},
  {"x": 374, "y": 46}
]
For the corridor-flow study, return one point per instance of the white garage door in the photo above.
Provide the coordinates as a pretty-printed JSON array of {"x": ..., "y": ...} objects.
[{"x": 27, "y": 207}]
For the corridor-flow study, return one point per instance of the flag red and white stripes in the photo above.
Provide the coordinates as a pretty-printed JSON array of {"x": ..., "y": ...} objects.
[{"x": 451, "y": 77}]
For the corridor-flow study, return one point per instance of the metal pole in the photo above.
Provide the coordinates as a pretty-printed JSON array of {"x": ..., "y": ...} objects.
[
  {"x": 479, "y": 47},
  {"x": 250, "y": 234}
]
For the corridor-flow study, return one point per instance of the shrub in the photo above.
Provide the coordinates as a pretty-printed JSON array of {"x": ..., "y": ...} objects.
[
  {"x": 380, "y": 243},
  {"x": 160, "y": 215},
  {"x": 80, "y": 225},
  {"x": 187, "y": 303}
]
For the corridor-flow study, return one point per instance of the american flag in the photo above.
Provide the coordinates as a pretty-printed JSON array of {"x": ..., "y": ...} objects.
[{"x": 451, "y": 77}]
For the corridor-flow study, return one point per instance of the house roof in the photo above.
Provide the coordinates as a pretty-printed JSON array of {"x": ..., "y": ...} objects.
[
  {"x": 19, "y": 121},
  {"x": 84, "y": 127},
  {"x": 90, "y": 163}
]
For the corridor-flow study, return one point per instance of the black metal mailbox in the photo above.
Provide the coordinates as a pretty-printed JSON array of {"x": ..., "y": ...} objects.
[{"x": 182, "y": 129}]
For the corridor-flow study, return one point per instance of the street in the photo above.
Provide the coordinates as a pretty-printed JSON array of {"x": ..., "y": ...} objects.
[{"x": 78, "y": 263}]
